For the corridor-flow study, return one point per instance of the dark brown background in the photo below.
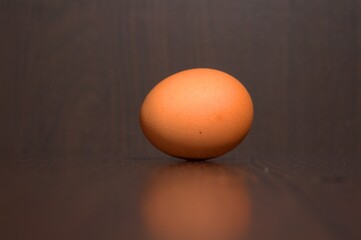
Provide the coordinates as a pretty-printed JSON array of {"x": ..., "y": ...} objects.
[{"x": 73, "y": 74}]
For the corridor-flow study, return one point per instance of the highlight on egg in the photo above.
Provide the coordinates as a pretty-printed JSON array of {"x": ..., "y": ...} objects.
[{"x": 198, "y": 113}]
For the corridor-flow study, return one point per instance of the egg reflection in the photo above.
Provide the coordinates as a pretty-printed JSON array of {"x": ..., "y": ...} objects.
[{"x": 196, "y": 201}]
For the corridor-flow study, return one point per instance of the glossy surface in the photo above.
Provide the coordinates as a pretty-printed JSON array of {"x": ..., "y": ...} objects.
[
  {"x": 198, "y": 113},
  {"x": 103, "y": 197},
  {"x": 73, "y": 74},
  {"x": 196, "y": 201}
]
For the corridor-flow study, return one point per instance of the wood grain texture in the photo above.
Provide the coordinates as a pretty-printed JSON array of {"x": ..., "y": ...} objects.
[{"x": 73, "y": 74}]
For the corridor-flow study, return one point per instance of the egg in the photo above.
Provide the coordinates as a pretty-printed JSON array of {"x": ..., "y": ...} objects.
[{"x": 198, "y": 113}]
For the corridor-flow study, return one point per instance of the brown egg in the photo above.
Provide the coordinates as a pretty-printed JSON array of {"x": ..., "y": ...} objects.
[
  {"x": 197, "y": 114},
  {"x": 196, "y": 201}
]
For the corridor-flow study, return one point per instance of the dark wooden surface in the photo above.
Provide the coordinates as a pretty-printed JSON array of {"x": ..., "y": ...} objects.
[{"x": 73, "y": 74}]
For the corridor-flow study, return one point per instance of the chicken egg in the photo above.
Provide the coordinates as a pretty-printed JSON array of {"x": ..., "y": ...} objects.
[{"x": 198, "y": 113}]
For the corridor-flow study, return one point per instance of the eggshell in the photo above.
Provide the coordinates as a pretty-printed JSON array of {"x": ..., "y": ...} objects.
[{"x": 198, "y": 113}]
